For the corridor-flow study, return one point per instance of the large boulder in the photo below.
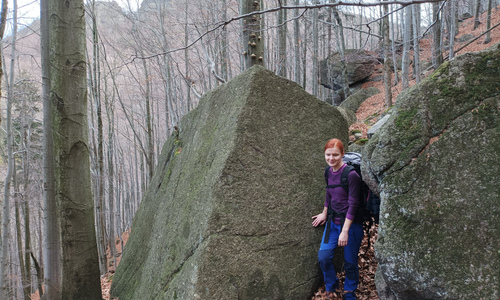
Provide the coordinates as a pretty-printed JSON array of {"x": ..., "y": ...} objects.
[
  {"x": 227, "y": 214},
  {"x": 437, "y": 162},
  {"x": 360, "y": 65},
  {"x": 354, "y": 101}
]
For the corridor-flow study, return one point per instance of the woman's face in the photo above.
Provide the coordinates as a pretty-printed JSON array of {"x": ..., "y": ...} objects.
[{"x": 333, "y": 158}]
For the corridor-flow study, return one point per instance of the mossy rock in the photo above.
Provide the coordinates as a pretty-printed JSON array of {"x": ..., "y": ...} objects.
[
  {"x": 354, "y": 101},
  {"x": 229, "y": 216},
  {"x": 437, "y": 163}
]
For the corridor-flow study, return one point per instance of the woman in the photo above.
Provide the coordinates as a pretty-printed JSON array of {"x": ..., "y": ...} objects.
[{"x": 341, "y": 230}]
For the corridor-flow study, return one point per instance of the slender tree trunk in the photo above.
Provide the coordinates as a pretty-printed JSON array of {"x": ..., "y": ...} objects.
[
  {"x": 3, "y": 23},
  {"x": 387, "y": 59},
  {"x": 341, "y": 47},
  {"x": 453, "y": 29},
  {"x": 296, "y": 42},
  {"x": 186, "y": 55},
  {"x": 315, "y": 55},
  {"x": 96, "y": 92},
  {"x": 80, "y": 274},
  {"x": 224, "y": 53},
  {"x": 476, "y": 14},
  {"x": 416, "y": 41},
  {"x": 487, "y": 38},
  {"x": 437, "y": 53},
  {"x": 282, "y": 32},
  {"x": 405, "y": 71},
  {"x": 4, "y": 265},
  {"x": 25, "y": 280},
  {"x": 394, "y": 56},
  {"x": 51, "y": 238}
]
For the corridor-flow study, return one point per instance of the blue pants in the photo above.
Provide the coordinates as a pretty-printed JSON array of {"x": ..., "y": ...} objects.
[{"x": 325, "y": 256}]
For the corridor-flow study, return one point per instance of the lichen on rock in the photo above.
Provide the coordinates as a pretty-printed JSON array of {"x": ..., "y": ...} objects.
[
  {"x": 229, "y": 216},
  {"x": 437, "y": 164}
]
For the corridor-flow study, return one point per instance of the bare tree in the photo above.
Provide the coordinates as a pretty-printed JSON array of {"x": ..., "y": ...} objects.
[
  {"x": 80, "y": 276},
  {"x": 252, "y": 34},
  {"x": 387, "y": 59},
  {"x": 487, "y": 37},
  {"x": 405, "y": 72},
  {"x": 437, "y": 54},
  {"x": 4, "y": 266}
]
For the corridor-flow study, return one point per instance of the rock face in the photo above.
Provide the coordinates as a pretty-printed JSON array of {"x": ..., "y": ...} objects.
[
  {"x": 354, "y": 101},
  {"x": 437, "y": 161},
  {"x": 360, "y": 65},
  {"x": 228, "y": 212}
]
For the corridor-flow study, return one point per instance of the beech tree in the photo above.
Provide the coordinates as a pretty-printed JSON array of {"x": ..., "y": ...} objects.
[{"x": 78, "y": 266}]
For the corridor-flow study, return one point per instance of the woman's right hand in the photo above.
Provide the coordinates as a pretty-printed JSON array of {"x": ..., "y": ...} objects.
[{"x": 319, "y": 219}]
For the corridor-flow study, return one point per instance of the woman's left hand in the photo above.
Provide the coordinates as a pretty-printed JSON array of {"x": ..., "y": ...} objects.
[{"x": 343, "y": 238}]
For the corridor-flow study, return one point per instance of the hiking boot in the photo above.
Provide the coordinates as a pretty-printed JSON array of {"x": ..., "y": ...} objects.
[{"x": 349, "y": 296}]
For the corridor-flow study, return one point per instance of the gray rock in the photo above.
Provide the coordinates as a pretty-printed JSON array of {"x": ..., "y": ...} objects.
[
  {"x": 376, "y": 127},
  {"x": 465, "y": 37},
  {"x": 348, "y": 114},
  {"x": 354, "y": 101},
  {"x": 360, "y": 65},
  {"x": 227, "y": 214},
  {"x": 437, "y": 164}
]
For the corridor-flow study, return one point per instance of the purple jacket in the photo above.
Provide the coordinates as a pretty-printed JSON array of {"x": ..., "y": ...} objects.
[{"x": 338, "y": 199}]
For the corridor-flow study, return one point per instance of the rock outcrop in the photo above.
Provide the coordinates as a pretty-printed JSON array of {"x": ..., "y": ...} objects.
[
  {"x": 228, "y": 212},
  {"x": 437, "y": 162},
  {"x": 354, "y": 101},
  {"x": 360, "y": 65}
]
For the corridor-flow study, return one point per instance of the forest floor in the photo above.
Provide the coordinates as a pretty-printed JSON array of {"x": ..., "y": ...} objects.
[{"x": 367, "y": 115}]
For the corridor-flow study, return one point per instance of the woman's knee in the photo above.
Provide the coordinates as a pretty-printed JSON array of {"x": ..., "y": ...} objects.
[{"x": 325, "y": 256}]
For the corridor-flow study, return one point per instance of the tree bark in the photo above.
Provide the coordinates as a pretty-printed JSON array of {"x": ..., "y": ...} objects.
[
  {"x": 387, "y": 60},
  {"x": 51, "y": 238},
  {"x": 476, "y": 14},
  {"x": 437, "y": 54},
  {"x": 416, "y": 41},
  {"x": 4, "y": 265},
  {"x": 341, "y": 47},
  {"x": 405, "y": 71},
  {"x": 315, "y": 54},
  {"x": 253, "y": 43},
  {"x": 79, "y": 271},
  {"x": 487, "y": 38},
  {"x": 282, "y": 32}
]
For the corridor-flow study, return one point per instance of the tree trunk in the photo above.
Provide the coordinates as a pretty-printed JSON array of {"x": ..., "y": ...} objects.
[
  {"x": 315, "y": 54},
  {"x": 387, "y": 60},
  {"x": 416, "y": 41},
  {"x": 282, "y": 32},
  {"x": 253, "y": 43},
  {"x": 476, "y": 14},
  {"x": 453, "y": 29},
  {"x": 96, "y": 93},
  {"x": 51, "y": 238},
  {"x": 4, "y": 265},
  {"x": 3, "y": 23},
  {"x": 437, "y": 54},
  {"x": 341, "y": 47},
  {"x": 296, "y": 42},
  {"x": 405, "y": 68},
  {"x": 487, "y": 38},
  {"x": 79, "y": 271},
  {"x": 394, "y": 57}
]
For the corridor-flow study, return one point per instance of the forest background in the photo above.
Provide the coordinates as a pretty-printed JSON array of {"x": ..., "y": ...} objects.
[{"x": 148, "y": 64}]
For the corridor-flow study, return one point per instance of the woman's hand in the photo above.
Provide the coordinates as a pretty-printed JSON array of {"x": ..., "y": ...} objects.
[
  {"x": 343, "y": 238},
  {"x": 319, "y": 219}
]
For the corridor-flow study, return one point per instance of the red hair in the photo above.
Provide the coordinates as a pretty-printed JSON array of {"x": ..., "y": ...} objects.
[{"x": 335, "y": 143}]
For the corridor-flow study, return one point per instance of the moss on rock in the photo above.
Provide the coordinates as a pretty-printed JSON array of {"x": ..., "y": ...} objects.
[
  {"x": 228, "y": 217},
  {"x": 437, "y": 162}
]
